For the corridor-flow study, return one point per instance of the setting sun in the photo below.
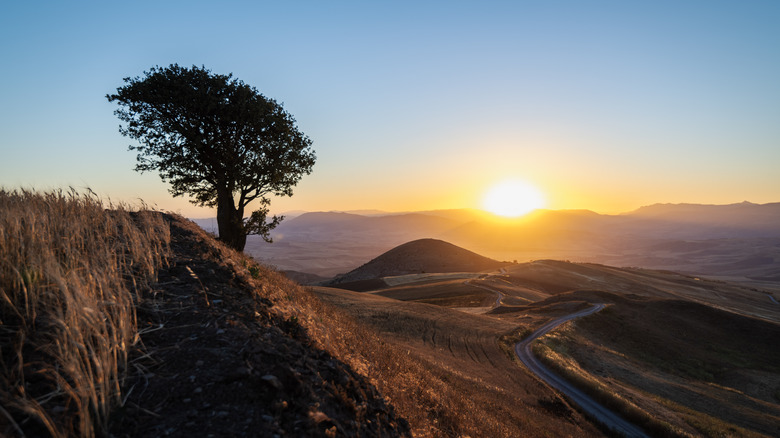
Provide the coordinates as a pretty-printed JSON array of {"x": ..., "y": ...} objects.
[{"x": 512, "y": 199}]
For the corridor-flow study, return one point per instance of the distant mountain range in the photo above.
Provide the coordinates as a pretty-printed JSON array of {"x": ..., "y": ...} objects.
[{"x": 736, "y": 240}]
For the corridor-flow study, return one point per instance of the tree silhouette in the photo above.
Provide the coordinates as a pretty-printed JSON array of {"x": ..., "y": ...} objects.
[{"x": 217, "y": 139}]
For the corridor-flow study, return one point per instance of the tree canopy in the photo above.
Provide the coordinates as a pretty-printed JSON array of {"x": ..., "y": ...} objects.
[{"x": 217, "y": 139}]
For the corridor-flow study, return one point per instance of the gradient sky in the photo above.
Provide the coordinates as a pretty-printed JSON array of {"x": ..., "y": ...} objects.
[{"x": 604, "y": 105}]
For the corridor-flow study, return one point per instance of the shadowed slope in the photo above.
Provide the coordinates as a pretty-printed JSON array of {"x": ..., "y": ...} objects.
[{"x": 232, "y": 350}]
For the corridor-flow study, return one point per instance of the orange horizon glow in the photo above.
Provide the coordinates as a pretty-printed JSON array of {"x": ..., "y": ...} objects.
[
  {"x": 512, "y": 199},
  {"x": 459, "y": 185}
]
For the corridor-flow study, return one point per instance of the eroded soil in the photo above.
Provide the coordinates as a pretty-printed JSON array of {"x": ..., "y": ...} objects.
[{"x": 218, "y": 361}]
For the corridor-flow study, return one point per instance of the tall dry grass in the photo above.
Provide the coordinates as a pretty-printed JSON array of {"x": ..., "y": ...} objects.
[
  {"x": 432, "y": 398},
  {"x": 70, "y": 273},
  {"x": 552, "y": 352}
]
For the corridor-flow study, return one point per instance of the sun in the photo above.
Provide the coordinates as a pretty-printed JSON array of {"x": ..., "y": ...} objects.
[{"x": 512, "y": 199}]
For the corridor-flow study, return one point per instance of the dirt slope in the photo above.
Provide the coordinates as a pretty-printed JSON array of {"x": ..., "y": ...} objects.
[{"x": 219, "y": 360}]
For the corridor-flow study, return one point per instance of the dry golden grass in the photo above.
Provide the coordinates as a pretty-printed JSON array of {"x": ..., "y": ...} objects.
[
  {"x": 446, "y": 293},
  {"x": 452, "y": 376},
  {"x": 70, "y": 273},
  {"x": 676, "y": 368},
  {"x": 563, "y": 365}
]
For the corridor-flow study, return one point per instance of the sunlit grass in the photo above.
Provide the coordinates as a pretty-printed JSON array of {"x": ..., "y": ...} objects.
[
  {"x": 552, "y": 351},
  {"x": 70, "y": 273}
]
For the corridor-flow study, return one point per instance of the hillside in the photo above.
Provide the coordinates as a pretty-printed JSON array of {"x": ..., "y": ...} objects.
[
  {"x": 141, "y": 324},
  {"x": 177, "y": 336},
  {"x": 219, "y": 360},
  {"x": 419, "y": 257},
  {"x": 676, "y": 355},
  {"x": 181, "y": 336},
  {"x": 698, "y": 367},
  {"x": 235, "y": 349}
]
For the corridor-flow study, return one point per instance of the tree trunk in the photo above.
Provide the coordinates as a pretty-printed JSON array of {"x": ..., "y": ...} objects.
[{"x": 230, "y": 221}]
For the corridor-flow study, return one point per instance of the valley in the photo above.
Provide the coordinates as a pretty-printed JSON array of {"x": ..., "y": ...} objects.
[
  {"x": 684, "y": 345},
  {"x": 672, "y": 354}
]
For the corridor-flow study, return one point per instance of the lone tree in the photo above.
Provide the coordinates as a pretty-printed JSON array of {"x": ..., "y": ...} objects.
[{"x": 217, "y": 139}]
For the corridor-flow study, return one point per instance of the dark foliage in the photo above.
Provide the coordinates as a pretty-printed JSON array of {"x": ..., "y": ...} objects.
[{"x": 216, "y": 139}]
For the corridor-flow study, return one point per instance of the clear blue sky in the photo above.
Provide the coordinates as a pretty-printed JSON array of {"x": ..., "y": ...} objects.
[{"x": 606, "y": 105}]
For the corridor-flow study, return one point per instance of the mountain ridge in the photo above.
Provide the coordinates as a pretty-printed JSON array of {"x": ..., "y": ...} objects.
[{"x": 655, "y": 237}]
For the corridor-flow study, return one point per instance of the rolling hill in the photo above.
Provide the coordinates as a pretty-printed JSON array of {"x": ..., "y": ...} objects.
[
  {"x": 676, "y": 355},
  {"x": 679, "y": 354},
  {"x": 419, "y": 257}
]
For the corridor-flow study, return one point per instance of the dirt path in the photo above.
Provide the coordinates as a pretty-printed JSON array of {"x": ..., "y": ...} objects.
[
  {"x": 219, "y": 361},
  {"x": 499, "y": 297},
  {"x": 592, "y": 407}
]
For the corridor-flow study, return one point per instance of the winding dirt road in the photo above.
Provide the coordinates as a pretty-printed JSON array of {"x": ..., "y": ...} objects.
[
  {"x": 500, "y": 295},
  {"x": 592, "y": 407}
]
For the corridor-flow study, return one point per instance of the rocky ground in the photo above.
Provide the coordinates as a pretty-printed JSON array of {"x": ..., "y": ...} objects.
[{"x": 217, "y": 360}]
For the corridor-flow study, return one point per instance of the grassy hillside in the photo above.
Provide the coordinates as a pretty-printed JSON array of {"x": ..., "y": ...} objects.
[
  {"x": 678, "y": 355},
  {"x": 478, "y": 388},
  {"x": 84, "y": 321},
  {"x": 141, "y": 324},
  {"x": 680, "y": 367},
  {"x": 70, "y": 276}
]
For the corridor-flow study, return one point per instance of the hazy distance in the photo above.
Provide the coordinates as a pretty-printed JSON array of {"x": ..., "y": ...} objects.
[{"x": 735, "y": 241}]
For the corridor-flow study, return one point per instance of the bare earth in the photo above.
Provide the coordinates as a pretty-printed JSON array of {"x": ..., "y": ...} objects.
[{"x": 218, "y": 362}]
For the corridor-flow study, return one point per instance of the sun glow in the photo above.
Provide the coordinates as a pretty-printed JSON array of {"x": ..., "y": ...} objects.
[{"x": 512, "y": 199}]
